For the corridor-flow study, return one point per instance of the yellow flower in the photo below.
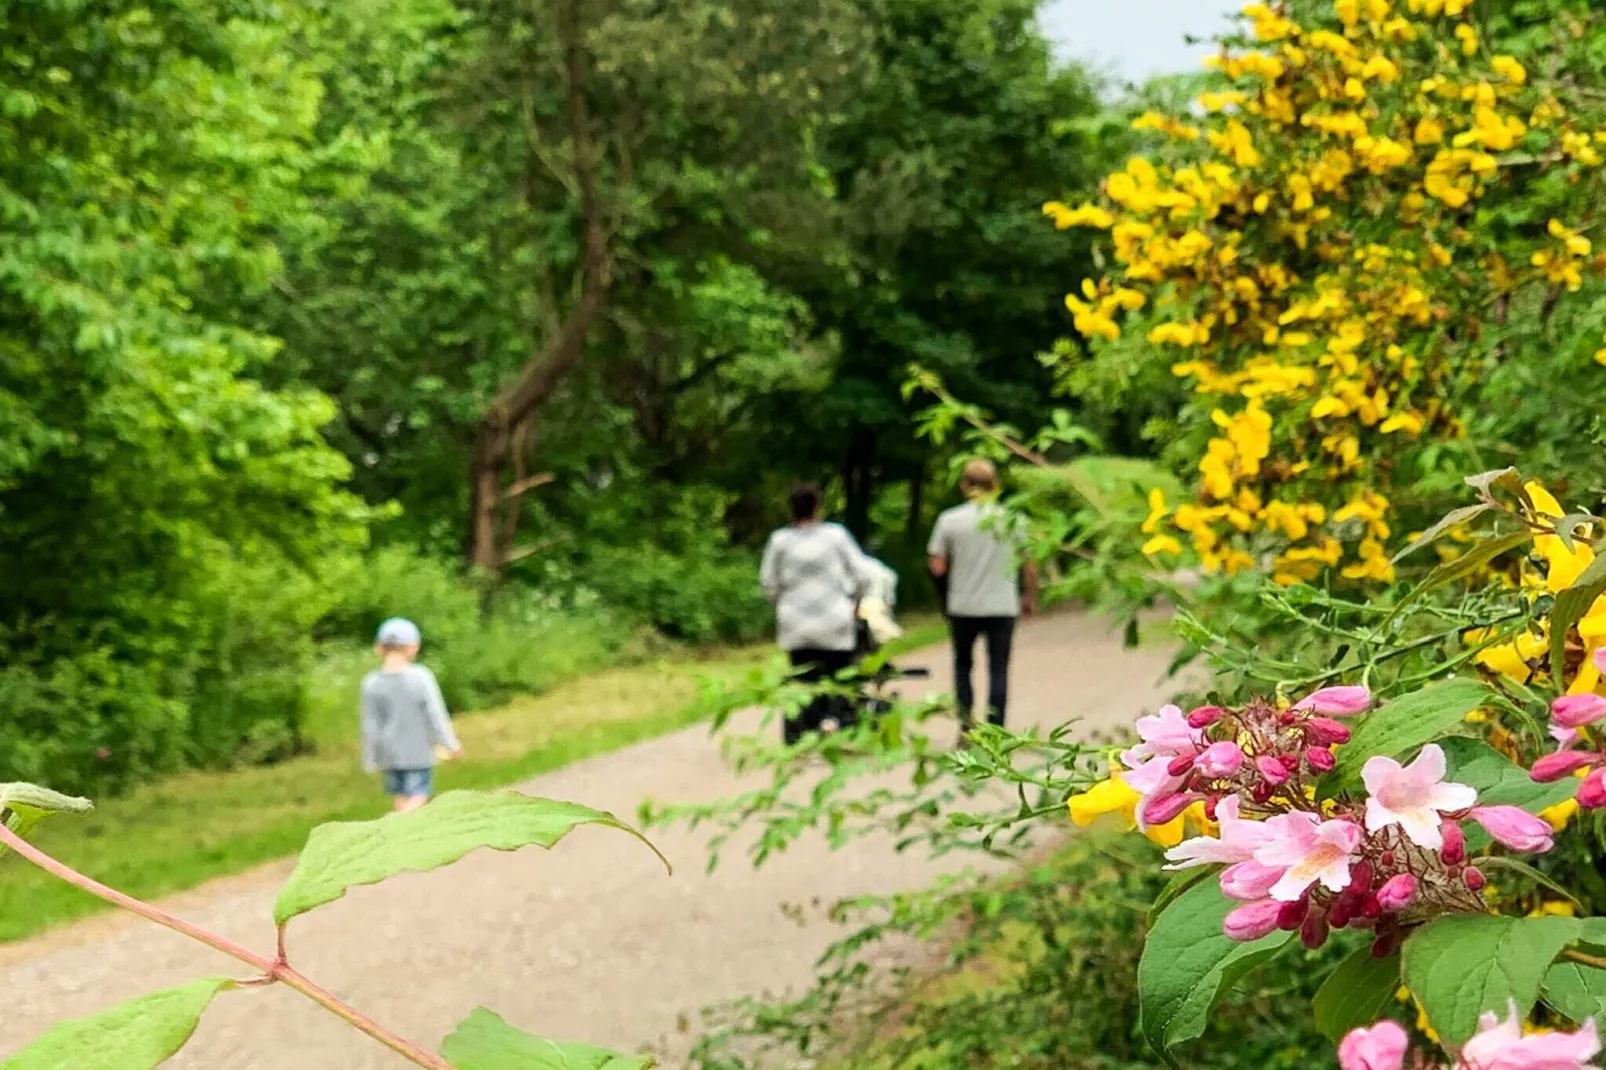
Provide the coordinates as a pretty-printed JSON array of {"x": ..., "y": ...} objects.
[
  {"x": 1158, "y": 511},
  {"x": 1088, "y": 215},
  {"x": 1468, "y": 37},
  {"x": 1113, "y": 796},
  {"x": 1508, "y": 68},
  {"x": 1564, "y": 565},
  {"x": 1429, "y": 132},
  {"x": 1162, "y": 544},
  {"x": 1409, "y": 422},
  {"x": 1554, "y": 908},
  {"x": 1560, "y": 814}
]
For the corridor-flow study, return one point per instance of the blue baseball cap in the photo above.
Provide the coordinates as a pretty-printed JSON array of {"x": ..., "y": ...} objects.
[{"x": 398, "y": 631}]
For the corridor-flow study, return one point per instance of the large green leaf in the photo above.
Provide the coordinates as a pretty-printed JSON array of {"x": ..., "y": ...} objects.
[
  {"x": 1571, "y": 605},
  {"x": 1188, "y": 962},
  {"x": 137, "y": 1035},
  {"x": 1462, "y": 965},
  {"x": 1500, "y": 782},
  {"x": 1356, "y": 994},
  {"x": 1401, "y": 725},
  {"x": 485, "y": 1042},
  {"x": 347, "y": 854},
  {"x": 1465, "y": 565},
  {"x": 23, "y": 806},
  {"x": 1576, "y": 990}
]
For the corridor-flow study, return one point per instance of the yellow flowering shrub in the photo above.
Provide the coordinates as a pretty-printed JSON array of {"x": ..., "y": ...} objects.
[{"x": 1307, "y": 250}]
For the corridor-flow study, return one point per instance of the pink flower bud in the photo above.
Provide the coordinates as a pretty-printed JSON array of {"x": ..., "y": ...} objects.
[
  {"x": 1271, "y": 770},
  {"x": 1473, "y": 878},
  {"x": 1162, "y": 809},
  {"x": 1205, "y": 716},
  {"x": 1514, "y": 828},
  {"x": 1321, "y": 759},
  {"x": 1454, "y": 851},
  {"x": 1292, "y": 915},
  {"x": 1340, "y": 913},
  {"x": 1371, "y": 907},
  {"x": 1313, "y": 933},
  {"x": 1575, "y": 711},
  {"x": 1262, "y": 792},
  {"x": 1290, "y": 762},
  {"x": 1252, "y": 921},
  {"x": 1563, "y": 763},
  {"x": 1249, "y": 881},
  {"x": 1381, "y": 1047},
  {"x": 1592, "y": 792},
  {"x": 1326, "y": 732},
  {"x": 1180, "y": 764},
  {"x": 1221, "y": 760},
  {"x": 1337, "y": 701},
  {"x": 1397, "y": 893}
]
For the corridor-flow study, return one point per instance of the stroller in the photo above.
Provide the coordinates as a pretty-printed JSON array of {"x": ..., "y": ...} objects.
[{"x": 876, "y": 628}]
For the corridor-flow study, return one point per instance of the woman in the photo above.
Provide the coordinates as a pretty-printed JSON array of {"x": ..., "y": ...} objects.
[{"x": 814, "y": 574}]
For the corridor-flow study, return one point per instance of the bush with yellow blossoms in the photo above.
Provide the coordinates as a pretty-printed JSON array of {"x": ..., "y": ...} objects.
[{"x": 1350, "y": 251}]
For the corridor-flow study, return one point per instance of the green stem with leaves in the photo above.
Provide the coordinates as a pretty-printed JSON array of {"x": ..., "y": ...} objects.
[{"x": 272, "y": 969}]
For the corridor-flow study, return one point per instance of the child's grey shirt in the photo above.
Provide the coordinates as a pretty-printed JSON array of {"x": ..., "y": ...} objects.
[{"x": 403, "y": 718}]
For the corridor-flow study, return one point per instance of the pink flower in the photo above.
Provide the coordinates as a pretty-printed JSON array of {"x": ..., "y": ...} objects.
[
  {"x": 1271, "y": 770},
  {"x": 1252, "y": 921},
  {"x": 1413, "y": 796},
  {"x": 1575, "y": 711},
  {"x": 1326, "y": 732},
  {"x": 1164, "y": 809},
  {"x": 1592, "y": 792},
  {"x": 1336, "y": 701},
  {"x": 1381, "y": 1047},
  {"x": 1500, "y": 1045},
  {"x": 1397, "y": 893},
  {"x": 1249, "y": 881},
  {"x": 1516, "y": 829},
  {"x": 1221, "y": 760},
  {"x": 1238, "y": 842},
  {"x": 1567, "y": 737},
  {"x": 1165, "y": 736},
  {"x": 1309, "y": 850},
  {"x": 1557, "y": 766}
]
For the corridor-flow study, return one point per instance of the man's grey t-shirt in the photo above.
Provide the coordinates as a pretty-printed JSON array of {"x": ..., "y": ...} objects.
[
  {"x": 403, "y": 718},
  {"x": 982, "y": 545}
]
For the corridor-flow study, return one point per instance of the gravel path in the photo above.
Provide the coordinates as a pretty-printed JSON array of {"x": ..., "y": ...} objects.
[{"x": 589, "y": 942}]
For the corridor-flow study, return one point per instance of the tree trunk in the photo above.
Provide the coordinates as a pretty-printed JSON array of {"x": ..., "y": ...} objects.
[
  {"x": 518, "y": 403},
  {"x": 858, "y": 472}
]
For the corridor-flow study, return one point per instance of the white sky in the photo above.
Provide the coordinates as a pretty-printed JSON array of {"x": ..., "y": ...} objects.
[{"x": 1135, "y": 39}]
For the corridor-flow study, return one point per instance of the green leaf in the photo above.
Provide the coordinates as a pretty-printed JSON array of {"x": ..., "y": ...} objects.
[
  {"x": 1465, "y": 565},
  {"x": 22, "y": 806},
  {"x": 1188, "y": 962},
  {"x": 346, "y": 854},
  {"x": 1500, "y": 782},
  {"x": 1462, "y": 965},
  {"x": 1401, "y": 725},
  {"x": 485, "y": 1042},
  {"x": 1571, "y": 605},
  {"x": 1177, "y": 885},
  {"x": 1451, "y": 519},
  {"x": 137, "y": 1035},
  {"x": 1576, "y": 990},
  {"x": 1356, "y": 994},
  {"x": 1519, "y": 867}
]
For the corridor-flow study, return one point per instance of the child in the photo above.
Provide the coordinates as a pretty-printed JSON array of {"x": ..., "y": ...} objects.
[{"x": 404, "y": 718}]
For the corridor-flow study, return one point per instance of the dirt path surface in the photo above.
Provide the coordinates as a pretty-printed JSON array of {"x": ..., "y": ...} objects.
[{"x": 589, "y": 942}]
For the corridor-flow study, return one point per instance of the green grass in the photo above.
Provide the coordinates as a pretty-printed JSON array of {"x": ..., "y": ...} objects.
[
  {"x": 173, "y": 835},
  {"x": 196, "y": 826}
]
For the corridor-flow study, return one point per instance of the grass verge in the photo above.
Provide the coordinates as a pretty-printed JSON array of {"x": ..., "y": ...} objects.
[{"x": 190, "y": 828}]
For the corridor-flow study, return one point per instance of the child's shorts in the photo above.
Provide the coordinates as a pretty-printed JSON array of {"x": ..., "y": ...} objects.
[{"x": 410, "y": 782}]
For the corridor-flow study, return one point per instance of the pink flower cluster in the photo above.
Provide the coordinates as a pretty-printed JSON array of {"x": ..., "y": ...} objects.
[
  {"x": 1571, "y": 718},
  {"x": 1498, "y": 1045},
  {"x": 1299, "y": 863}
]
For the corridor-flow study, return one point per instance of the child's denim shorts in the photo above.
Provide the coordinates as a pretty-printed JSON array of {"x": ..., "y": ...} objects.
[{"x": 411, "y": 782}]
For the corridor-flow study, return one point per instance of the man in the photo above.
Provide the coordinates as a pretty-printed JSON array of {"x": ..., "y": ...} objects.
[{"x": 975, "y": 555}]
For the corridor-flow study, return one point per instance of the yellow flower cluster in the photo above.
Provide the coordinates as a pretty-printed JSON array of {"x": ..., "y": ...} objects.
[
  {"x": 1525, "y": 657},
  {"x": 1303, "y": 244}
]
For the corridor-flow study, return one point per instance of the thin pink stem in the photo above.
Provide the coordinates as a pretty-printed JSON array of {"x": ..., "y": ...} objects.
[
  {"x": 272, "y": 970},
  {"x": 134, "y": 906}
]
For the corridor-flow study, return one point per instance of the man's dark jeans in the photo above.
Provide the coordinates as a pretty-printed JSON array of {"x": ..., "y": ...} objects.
[{"x": 1000, "y": 633}]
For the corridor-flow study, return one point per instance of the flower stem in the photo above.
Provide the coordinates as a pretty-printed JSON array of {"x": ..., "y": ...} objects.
[
  {"x": 1583, "y": 958},
  {"x": 272, "y": 969}
]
